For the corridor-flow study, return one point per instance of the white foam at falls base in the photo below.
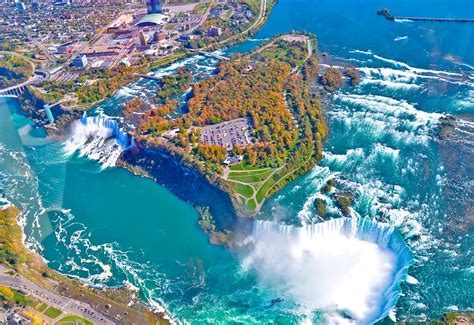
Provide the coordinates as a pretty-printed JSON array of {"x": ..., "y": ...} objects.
[
  {"x": 98, "y": 137},
  {"x": 342, "y": 264}
]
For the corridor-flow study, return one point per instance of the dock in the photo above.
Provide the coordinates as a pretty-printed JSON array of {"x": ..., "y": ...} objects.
[{"x": 386, "y": 13}]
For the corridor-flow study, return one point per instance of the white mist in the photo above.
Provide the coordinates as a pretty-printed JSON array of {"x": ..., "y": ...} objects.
[{"x": 329, "y": 266}]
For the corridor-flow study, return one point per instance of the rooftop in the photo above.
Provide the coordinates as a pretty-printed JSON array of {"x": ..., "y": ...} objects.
[{"x": 152, "y": 19}]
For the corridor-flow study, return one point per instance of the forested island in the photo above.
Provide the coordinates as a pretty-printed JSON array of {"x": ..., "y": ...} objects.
[{"x": 251, "y": 128}]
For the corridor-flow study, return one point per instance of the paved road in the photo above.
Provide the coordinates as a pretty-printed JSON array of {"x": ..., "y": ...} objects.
[
  {"x": 67, "y": 305},
  {"x": 204, "y": 16},
  {"x": 261, "y": 16}
]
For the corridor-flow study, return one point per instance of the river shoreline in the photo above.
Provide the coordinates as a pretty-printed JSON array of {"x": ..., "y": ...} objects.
[
  {"x": 58, "y": 133},
  {"x": 34, "y": 268}
]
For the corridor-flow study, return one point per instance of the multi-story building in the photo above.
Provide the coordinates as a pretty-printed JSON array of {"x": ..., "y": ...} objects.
[
  {"x": 153, "y": 6},
  {"x": 80, "y": 61}
]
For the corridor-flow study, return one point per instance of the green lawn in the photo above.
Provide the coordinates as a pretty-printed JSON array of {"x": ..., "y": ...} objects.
[
  {"x": 22, "y": 299},
  {"x": 251, "y": 205},
  {"x": 264, "y": 189},
  {"x": 42, "y": 307},
  {"x": 251, "y": 176},
  {"x": 244, "y": 166},
  {"x": 237, "y": 167},
  {"x": 244, "y": 190},
  {"x": 201, "y": 8},
  {"x": 52, "y": 312},
  {"x": 73, "y": 320}
]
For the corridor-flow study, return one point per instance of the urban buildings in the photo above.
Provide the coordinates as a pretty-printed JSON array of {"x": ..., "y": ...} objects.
[
  {"x": 153, "y": 7},
  {"x": 214, "y": 31},
  {"x": 80, "y": 61}
]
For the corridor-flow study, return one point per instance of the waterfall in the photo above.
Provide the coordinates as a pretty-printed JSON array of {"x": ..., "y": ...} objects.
[
  {"x": 353, "y": 267},
  {"x": 99, "y": 138}
]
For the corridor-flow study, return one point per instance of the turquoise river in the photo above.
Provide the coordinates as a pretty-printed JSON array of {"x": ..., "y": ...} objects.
[{"x": 103, "y": 225}]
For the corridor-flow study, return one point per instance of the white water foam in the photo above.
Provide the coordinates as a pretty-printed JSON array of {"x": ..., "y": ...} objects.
[
  {"x": 400, "y": 69},
  {"x": 98, "y": 138},
  {"x": 397, "y": 20},
  {"x": 380, "y": 115},
  {"x": 344, "y": 265}
]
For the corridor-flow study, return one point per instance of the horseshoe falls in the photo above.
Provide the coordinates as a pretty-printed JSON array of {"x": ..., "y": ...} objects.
[
  {"x": 351, "y": 267},
  {"x": 411, "y": 186}
]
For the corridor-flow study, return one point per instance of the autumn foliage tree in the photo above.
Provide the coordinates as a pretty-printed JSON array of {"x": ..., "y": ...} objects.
[{"x": 332, "y": 79}]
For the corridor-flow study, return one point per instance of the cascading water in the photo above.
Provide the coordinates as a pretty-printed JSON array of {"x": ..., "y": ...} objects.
[
  {"x": 351, "y": 268},
  {"x": 99, "y": 138}
]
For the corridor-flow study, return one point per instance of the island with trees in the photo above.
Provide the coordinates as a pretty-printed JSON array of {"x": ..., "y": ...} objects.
[{"x": 251, "y": 128}]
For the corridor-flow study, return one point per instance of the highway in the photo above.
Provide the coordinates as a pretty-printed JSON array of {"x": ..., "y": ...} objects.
[{"x": 67, "y": 305}]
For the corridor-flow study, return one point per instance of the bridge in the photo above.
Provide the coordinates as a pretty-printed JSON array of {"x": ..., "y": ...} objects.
[
  {"x": 17, "y": 90},
  {"x": 214, "y": 55},
  {"x": 147, "y": 76},
  {"x": 211, "y": 55},
  {"x": 14, "y": 91}
]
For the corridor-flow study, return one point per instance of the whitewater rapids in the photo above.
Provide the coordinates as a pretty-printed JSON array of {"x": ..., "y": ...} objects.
[{"x": 350, "y": 268}]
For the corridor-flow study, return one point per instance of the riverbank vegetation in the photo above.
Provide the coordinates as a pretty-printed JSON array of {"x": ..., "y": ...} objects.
[
  {"x": 216, "y": 237},
  {"x": 14, "y": 70},
  {"x": 354, "y": 76},
  {"x": 12, "y": 252},
  {"x": 93, "y": 85},
  {"x": 174, "y": 84},
  {"x": 15, "y": 256},
  {"x": 332, "y": 79}
]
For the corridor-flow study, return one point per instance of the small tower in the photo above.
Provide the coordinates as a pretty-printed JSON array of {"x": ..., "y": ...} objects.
[{"x": 49, "y": 114}]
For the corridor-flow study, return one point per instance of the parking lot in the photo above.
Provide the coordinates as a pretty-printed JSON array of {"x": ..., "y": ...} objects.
[{"x": 228, "y": 134}]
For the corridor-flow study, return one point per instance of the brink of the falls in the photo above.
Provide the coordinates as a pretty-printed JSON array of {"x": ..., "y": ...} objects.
[{"x": 351, "y": 268}]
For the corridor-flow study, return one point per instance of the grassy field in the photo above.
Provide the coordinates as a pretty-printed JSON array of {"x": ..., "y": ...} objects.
[
  {"x": 251, "y": 205},
  {"x": 251, "y": 177},
  {"x": 52, "y": 312},
  {"x": 264, "y": 189},
  {"x": 201, "y": 8},
  {"x": 74, "y": 320},
  {"x": 250, "y": 184},
  {"x": 244, "y": 190},
  {"x": 42, "y": 307}
]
